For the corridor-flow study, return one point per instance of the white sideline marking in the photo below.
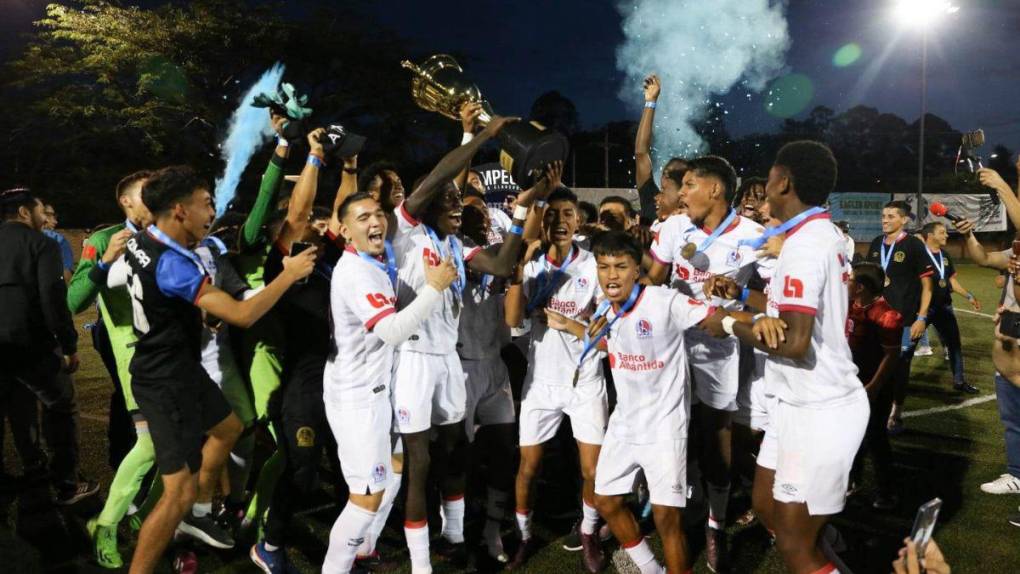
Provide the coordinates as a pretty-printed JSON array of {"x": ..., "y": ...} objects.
[
  {"x": 963, "y": 405},
  {"x": 969, "y": 312}
]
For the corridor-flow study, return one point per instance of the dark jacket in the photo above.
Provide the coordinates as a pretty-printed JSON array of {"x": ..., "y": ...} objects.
[{"x": 33, "y": 297}]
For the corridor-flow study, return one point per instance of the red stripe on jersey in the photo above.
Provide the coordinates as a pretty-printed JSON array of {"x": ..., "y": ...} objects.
[
  {"x": 799, "y": 309},
  {"x": 470, "y": 254},
  {"x": 198, "y": 293},
  {"x": 928, "y": 273},
  {"x": 406, "y": 214},
  {"x": 370, "y": 324},
  {"x": 666, "y": 263},
  {"x": 802, "y": 223}
]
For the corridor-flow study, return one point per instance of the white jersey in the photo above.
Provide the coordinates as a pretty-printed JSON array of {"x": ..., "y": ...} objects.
[
  {"x": 552, "y": 354},
  {"x": 811, "y": 277},
  {"x": 217, "y": 356},
  {"x": 360, "y": 367},
  {"x": 725, "y": 255},
  {"x": 499, "y": 225},
  {"x": 438, "y": 333},
  {"x": 646, "y": 355},
  {"x": 483, "y": 331}
]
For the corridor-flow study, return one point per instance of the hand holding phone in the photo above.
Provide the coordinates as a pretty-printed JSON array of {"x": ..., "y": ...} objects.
[{"x": 924, "y": 524}]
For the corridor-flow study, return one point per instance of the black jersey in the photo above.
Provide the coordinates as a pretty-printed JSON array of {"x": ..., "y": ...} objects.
[
  {"x": 907, "y": 262},
  {"x": 164, "y": 280}
]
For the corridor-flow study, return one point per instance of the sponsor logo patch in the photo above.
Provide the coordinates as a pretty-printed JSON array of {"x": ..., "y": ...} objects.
[
  {"x": 644, "y": 329},
  {"x": 403, "y": 415},
  {"x": 378, "y": 473},
  {"x": 899, "y": 256}
]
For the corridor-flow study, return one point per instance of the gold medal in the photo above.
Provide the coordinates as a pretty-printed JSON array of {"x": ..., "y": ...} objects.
[
  {"x": 689, "y": 250},
  {"x": 942, "y": 283},
  {"x": 888, "y": 281}
]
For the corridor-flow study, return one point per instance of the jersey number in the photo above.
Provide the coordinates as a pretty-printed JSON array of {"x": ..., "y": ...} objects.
[
  {"x": 793, "y": 288},
  {"x": 135, "y": 290}
]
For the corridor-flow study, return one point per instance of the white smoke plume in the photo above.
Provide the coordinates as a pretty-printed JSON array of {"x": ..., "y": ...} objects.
[
  {"x": 699, "y": 49},
  {"x": 249, "y": 128}
]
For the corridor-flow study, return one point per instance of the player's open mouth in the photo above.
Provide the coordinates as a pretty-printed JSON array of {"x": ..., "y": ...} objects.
[
  {"x": 376, "y": 238},
  {"x": 612, "y": 289},
  {"x": 560, "y": 233}
]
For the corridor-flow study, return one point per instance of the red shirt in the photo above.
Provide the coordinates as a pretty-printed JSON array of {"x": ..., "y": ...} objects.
[{"x": 871, "y": 330}]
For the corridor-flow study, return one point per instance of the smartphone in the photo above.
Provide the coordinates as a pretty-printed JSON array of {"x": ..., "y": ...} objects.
[
  {"x": 924, "y": 524},
  {"x": 1016, "y": 247},
  {"x": 295, "y": 249}
]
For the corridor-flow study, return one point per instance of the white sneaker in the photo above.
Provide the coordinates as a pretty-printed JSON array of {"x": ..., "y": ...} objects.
[
  {"x": 1005, "y": 484},
  {"x": 924, "y": 351}
]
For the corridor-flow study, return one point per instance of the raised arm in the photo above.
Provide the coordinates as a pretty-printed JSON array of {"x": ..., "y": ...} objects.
[
  {"x": 348, "y": 187},
  {"x": 245, "y": 313},
  {"x": 449, "y": 166},
  {"x": 991, "y": 178},
  {"x": 469, "y": 114},
  {"x": 269, "y": 187},
  {"x": 976, "y": 251},
  {"x": 643, "y": 141},
  {"x": 301, "y": 201},
  {"x": 99, "y": 253}
]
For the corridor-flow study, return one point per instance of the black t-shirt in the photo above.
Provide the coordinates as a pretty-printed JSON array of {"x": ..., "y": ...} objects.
[
  {"x": 908, "y": 263},
  {"x": 304, "y": 312},
  {"x": 942, "y": 291},
  {"x": 646, "y": 197},
  {"x": 164, "y": 280}
]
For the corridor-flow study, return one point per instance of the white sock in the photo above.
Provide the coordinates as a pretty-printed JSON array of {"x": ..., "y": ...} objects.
[
  {"x": 524, "y": 523},
  {"x": 644, "y": 559},
  {"x": 418, "y": 547},
  {"x": 200, "y": 509},
  {"x": 589, "y": 518},
  {"x": 345, "y": 537},
  {"x": 495, "y": 509},
  {"x": 381, "y": 516},
  {"x": 713, "y": 523},
  {"x": 452, "y": 512}
]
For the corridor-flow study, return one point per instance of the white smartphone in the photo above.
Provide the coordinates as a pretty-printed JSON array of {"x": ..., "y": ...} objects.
[{"x": 924, "y": 524}]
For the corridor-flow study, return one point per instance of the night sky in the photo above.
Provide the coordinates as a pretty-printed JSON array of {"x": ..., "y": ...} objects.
[{"x": 517, "y": 50}]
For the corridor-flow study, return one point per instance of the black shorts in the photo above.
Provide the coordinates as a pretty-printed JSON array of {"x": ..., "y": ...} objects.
[{"x": 179, "y": 413}]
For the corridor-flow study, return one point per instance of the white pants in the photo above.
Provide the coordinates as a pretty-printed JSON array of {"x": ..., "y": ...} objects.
[
  {"x": 427, "y": 390},
  {"x": 489, "y": 398},
  {"x": 543, "y": 407}
]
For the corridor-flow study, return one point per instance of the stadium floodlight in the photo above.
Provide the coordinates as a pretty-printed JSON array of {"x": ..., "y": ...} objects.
[{"x": 922, "y": 13}]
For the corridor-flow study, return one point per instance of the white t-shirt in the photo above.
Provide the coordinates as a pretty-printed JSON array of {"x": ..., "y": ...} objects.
[
  {"x": 552, "y": 354},
  {"x": 811, "y": 277},
  {"x": 438, "y": 333},
  {"x": 725, "y": 255},
  {"x": 646, "y": 355},
  {"x": 499, "y": 224},
  {"x": 360, "y": 294}
]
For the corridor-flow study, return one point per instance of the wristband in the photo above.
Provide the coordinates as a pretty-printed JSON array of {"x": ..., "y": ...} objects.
[
  {"x": 744, "y": 294},
  {"x": 970, "y": 296},
  {"x": 467, "y": 137},
  {"x": 316, "y": 161},
  {"x": 102, "y": 265},
  {"x": 756, "y": 317},
  {"x": 521, "y": 212},
  {"x": 282, "y": 142},
  {"x": 922, "y": 318},
  {"x": 540, "y": 203},
  {"x": 650, "y": 105},
  {"x": 516, "y": 230},
  {"x": 727, "y": 324}
]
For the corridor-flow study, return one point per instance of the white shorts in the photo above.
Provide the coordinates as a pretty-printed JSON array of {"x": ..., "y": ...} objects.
[
  {"x": 664, "y": 464},
  {"x": 363, "y": 441},
  {"x": 489, "y": 398},
  {"x": 427, "y": 390},
  {"x": 715, "y": 369},
  {"x": 751, "y": 391},
  {"x": 812, "y": 450},
  {"x": 543, "y": 407}
]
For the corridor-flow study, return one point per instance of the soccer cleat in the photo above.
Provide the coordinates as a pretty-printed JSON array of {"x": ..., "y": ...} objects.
[
  {"x": 104, "y": 544},
  {"x": 205, "y": 530},
  {"x": 525, "y": 550},
  {"x": 924, "y": 351},
  {"x": 715, "y": 549},
  {"x": 374, "y": 562},
  {"x": 66, "y": 496},
  {"x": 572, "y": 541},
  {"x": 1005, "y": 484},
  {"x": 453, "y": 552},
  {"x": 965, "y": 387},
  {"x": 274, "y": 562},
  {"x": 229, "y": 519},
  {"x": 748, "y": 518},
  {"x": 1014, "y": 518},
  {"x": 591, "y": 553}
]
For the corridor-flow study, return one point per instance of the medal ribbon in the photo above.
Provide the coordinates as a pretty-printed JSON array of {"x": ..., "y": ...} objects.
[
  {"x": 940, "y": 264},
  {"x": 886, "y": 255},
  {"x": 548, "y": 279},
  {"x": 603, "y": 308},
  {"x": 457, "y": 251},
  {"x": 781, "y": 228},
  {"x": 718, "y": 231},
  {"x": 130, "y": 225},
  {"x": 169, "y": 242},
  {"x": 390, "y": 266}
]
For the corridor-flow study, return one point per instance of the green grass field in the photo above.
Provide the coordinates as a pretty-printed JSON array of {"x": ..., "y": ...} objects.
[{"x": 945, "y": 454}]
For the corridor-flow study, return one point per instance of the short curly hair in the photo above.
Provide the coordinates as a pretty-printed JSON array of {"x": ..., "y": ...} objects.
[
  {"x": 169, "y": 186},
  {"x": 812, "y": 169}
]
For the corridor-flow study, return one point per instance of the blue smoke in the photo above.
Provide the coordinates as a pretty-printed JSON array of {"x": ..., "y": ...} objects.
[
  {"x": 699, "y": 50},
  {"x": 249, "y": 128}
]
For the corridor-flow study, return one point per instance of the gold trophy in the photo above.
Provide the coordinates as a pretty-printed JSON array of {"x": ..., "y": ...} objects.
[{"x": 526, "y": 148}]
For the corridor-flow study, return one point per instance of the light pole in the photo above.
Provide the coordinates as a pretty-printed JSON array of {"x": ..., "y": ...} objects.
[{"x": 922, "y": 14}]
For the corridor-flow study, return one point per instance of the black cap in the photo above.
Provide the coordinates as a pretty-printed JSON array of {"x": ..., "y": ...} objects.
[{"x": 338, "y": 142}]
